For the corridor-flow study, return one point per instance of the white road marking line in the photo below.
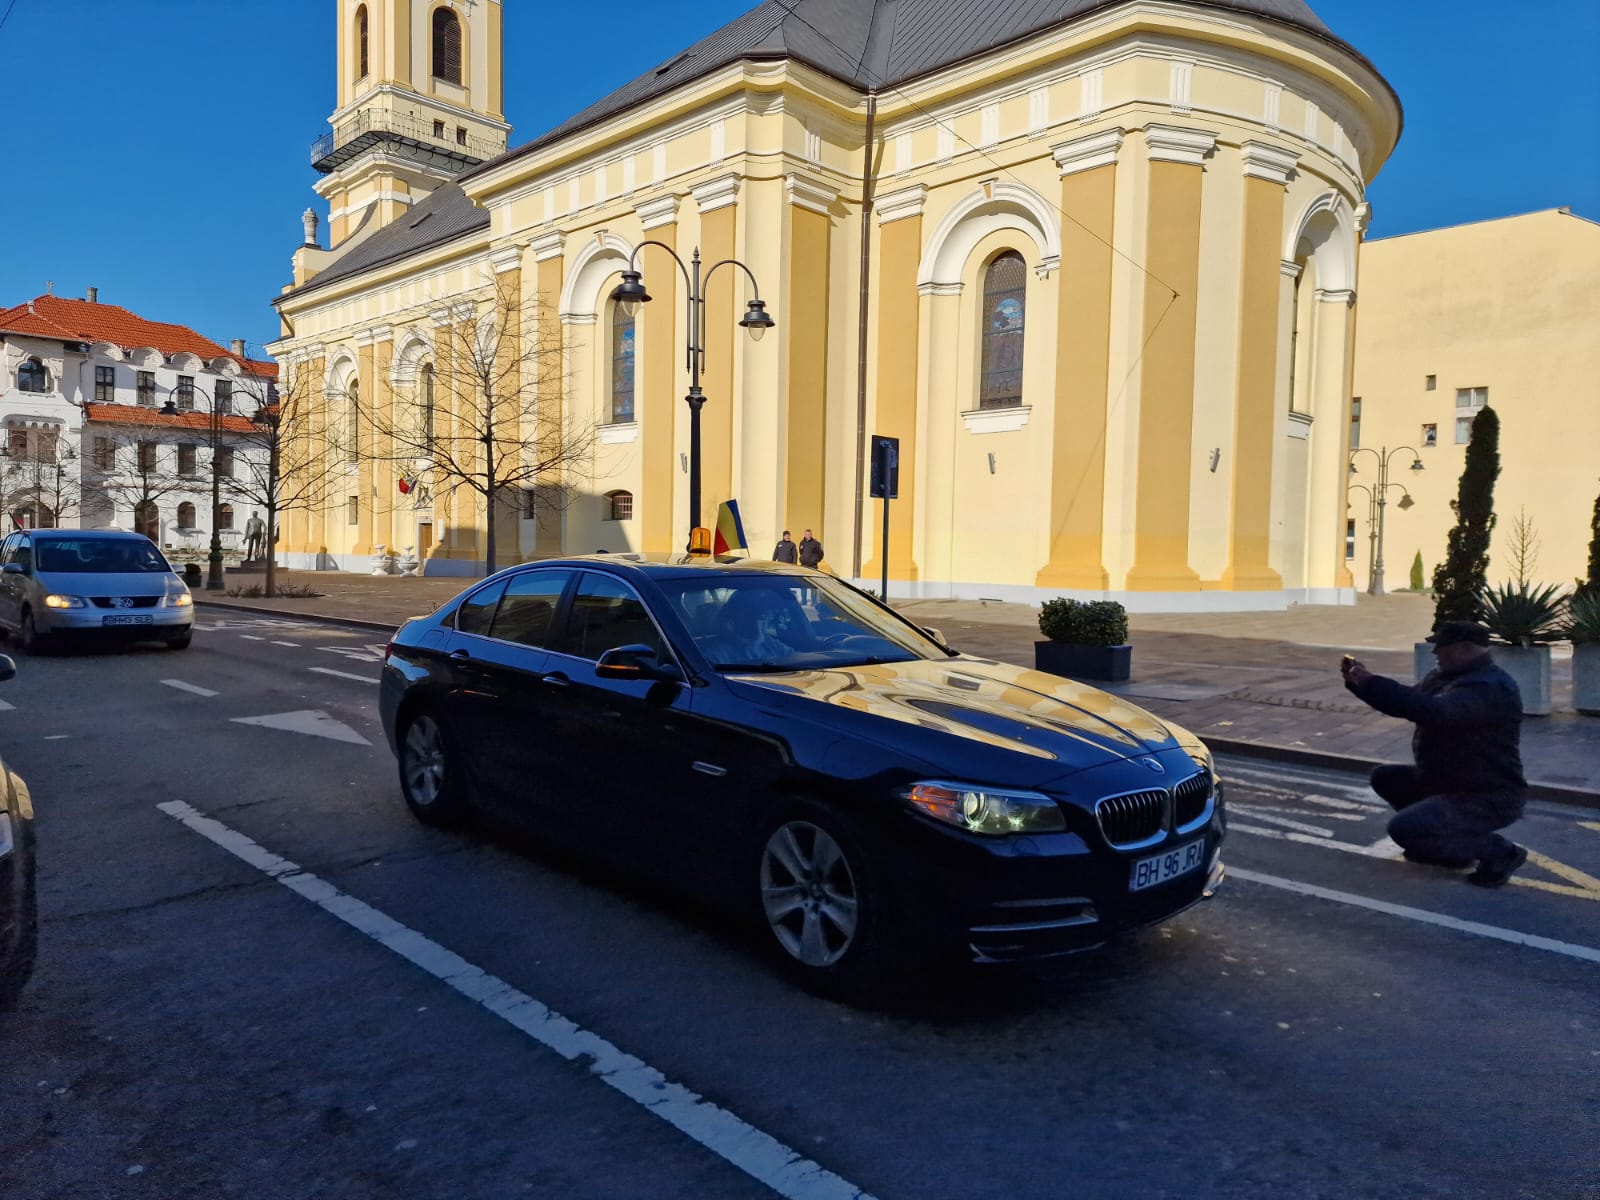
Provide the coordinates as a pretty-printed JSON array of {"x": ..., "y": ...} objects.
[
  {"x": 4, "y": 707},
  {"x": 1298, "y": 812},
  {"x": 758, "y": 1154},
  {"x": 250, "y": 637},
  {"x": 1377, "y": 850},
  {"x": 1346, "y": 805},
  {"x": 57, "y": 737},
  {"x": 1321, "y": 784},
  {"x": 1531, "y": 940},
  {"x": 1264, "y": 814},
  {"x": 291, "y": 645},
  {"x": 343, "y": 674},
  {"x": 311, "y": 721},
  {"x": 181, "y": 686}
]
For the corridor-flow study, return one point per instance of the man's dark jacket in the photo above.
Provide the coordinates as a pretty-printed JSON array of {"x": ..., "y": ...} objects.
[
  {"x": 784, "y": 552},
  {"x": 1469, "y": 726},
  {"x": 810, "y": 552}
]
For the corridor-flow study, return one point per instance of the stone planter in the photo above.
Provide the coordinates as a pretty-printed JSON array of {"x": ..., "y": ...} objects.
[
  {"x": 1586, "y": 678},
  {"x": 1106, "y": 663},
  {"x": 1530, "y": 667}
]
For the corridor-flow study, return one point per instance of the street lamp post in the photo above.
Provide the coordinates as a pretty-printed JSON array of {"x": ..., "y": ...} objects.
[
  {"x": 214, "y": 559},
  {"x": 631, "y": 293},
  {"x": 1377, "y": 501}
]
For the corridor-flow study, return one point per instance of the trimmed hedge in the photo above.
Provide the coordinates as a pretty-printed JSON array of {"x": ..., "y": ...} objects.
[{"x": 1084, "y": 622}]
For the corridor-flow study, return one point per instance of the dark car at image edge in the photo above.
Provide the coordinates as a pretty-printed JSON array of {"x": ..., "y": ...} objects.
[{"x": 775, "y": 738}]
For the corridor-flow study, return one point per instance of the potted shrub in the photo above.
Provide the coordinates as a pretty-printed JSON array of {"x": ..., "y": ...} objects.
[
  {"x": 1525, "y": 619},
  {"x": 1087, "y": 639},
  {"x": 1583, "y": 631}
]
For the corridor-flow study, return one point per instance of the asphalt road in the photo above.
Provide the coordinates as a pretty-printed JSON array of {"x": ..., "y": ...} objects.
[{"x": 260, "y": 978}]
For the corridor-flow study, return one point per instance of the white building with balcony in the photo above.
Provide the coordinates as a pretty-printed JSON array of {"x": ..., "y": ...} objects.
[{"x": 109, "y": 420}]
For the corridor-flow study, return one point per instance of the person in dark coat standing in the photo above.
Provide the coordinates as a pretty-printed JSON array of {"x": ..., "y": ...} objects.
[
  {"x": 1467, "y": 782},
  {"x": 785, "y": 551},
  {"x": 810, "y": 551}
]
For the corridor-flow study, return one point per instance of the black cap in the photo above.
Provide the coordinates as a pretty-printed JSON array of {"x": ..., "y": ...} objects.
[{"x": 1460, "y": 633}]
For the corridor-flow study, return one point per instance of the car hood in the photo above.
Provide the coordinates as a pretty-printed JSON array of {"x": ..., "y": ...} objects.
[
  {"x": 106, "y": 583},
  {"x": 1061, "y": 726}
]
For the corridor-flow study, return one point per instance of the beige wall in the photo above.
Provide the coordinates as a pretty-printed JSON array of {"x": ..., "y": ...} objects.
[{"x": 1508, "y": 305}]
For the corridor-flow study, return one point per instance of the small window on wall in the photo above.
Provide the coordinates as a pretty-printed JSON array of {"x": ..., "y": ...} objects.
[
  {"x": 147, "y": 456},
  {"x": 1005, "y": 285},
  {"x": 362, "y": 60},
  {"x": 146, "y": 388},
  {"x": 105, "y": 453},
  {"x": 1349, "y": 539},
  {"x": 32, "y": 377},
  {"x": 185, "y": 393},
  {"x": 438, "y": 129},
  {"x": 1431, "y": 383},
  {"x": 105, "y": 385},
  {"x": 1471, "y": 398},
  {"x": 619, "y": 506},
  {"x": 223, "y": 461},
  {"x": 461, "y": 135},
  {"x": 353, "y": 511},
  {"x": 225, "y": 517},
  {"x": 223, "y": 398},
  {"x": 1463, "y": 430},
  {"x": 185, "y": 515},
  {"x": 446, "y": 46},
  {"x": 186, "y": 458},
  {"x": 620, "y": 409},
  {"x": 1430, "y": 435},
  {"x": 1355, "y": 423}
]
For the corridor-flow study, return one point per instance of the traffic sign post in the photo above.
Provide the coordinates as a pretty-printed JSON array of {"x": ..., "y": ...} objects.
[{"x": 885, "y": 483}]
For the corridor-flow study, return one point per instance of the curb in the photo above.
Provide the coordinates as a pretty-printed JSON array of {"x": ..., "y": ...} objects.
[
  {"x": 1556, "y": 793},
  {"x": 1577, "y": 797}
]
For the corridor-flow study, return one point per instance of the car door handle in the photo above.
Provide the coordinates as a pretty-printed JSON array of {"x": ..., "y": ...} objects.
[
  {"x": 461, "y": 656},
  {"x": 556, "y": 679}
]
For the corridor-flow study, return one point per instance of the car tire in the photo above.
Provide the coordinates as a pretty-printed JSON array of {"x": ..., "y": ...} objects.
[
  {"x": 16, "y": 971},
  {"x": 181, "y": 642},
  {"x": 431, "y": 775},
  {"x": 819, "y": 896},
  {"x": 33, "y": 642}
]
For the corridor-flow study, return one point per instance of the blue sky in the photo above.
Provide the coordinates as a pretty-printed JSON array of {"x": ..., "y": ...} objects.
[{"x": 159, "y": 149}]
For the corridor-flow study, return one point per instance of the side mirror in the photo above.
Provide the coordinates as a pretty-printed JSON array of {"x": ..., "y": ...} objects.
[
  {"x": 635, "y": 662},
  {"x": 14, "y": 569},
  {"x": 8, "y": 668}
]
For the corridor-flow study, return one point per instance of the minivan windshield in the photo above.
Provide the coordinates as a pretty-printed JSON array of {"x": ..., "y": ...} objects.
[
  {"x": 771, "y": 622},
  {"x": 98, "y": 556}
]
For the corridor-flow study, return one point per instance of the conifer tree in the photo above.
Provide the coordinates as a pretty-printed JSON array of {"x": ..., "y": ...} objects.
[
  {"x": 1590, "y": 584},
  {"x": 1416, "y": 572},
  {"x": 1459, "y": 580}
]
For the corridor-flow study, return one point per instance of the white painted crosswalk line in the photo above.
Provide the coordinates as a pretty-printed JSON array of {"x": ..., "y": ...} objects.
[
  {"x": 4, "y": 707},
  {"x": 344, "y": 674},
  {"x": 291, "y": 645},
  {"x": 181, "y": 686}
]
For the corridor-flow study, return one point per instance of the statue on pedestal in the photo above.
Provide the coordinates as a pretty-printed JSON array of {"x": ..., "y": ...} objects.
[{"x": 255, "y": 537}]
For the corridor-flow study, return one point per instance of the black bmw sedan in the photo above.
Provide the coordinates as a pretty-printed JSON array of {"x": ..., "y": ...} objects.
[{"x": 782, "y": 740}]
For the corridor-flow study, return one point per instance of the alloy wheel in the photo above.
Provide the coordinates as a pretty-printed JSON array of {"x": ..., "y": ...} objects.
[
  {"x": 809, "y": 894},
  {"x": 423, "y": 765}
]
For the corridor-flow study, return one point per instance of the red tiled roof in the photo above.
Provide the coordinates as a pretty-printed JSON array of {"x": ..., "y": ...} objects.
[
  {"x": 137, "y": 414},
  {"x": 87, "y": 321}
]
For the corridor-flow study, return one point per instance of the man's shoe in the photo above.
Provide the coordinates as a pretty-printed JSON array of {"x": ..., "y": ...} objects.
[
  {"x": 1453, "y": 864},
  {"x": 1494, "y": 872}
]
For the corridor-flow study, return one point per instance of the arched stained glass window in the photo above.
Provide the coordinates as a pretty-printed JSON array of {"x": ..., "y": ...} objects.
[
  {"x": 1005, "y": 310},
  {"x": 446, "y": 46},
  {"x": 363, "y": 62},
  {"x": 622, "y": 343},
  {"x": 427, "y": 406}
]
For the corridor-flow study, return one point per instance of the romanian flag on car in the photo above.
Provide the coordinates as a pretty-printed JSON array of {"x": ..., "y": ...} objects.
[{"x": 729, "y": 534}]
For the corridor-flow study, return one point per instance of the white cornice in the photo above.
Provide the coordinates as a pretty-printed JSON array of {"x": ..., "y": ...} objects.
[
  {"x": 1335, "y": 296},
  {"x": 1289, "y": 269},
  {"x": 1179, "y": 144},
  {"x": 1087, "y": 153},
  {"x": 718, "y": 193},
  {"x": 1262, "y": 160},
  {"x": 383, "y": 333},
  {"x": 507, "y": 258},
  {"x": 363, "y": 337},
  {"x": 548, "y": 245},
  {"x": 939, "y": 289},
  {"x": 657, "y": 211},
  {"x": 907, "y": 202},
  {"x": 807, "y": 194},
  {"x": 440, "y": 317}
]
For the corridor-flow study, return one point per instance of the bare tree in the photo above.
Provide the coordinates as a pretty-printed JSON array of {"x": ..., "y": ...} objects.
[
  {"x": 41, "y": 479},
  {"x": 128, "y": 457},
  {"x": 486, "y": 415},
  {"x": 1523, "y": 548},
  {"x": 279, "y": 472}
]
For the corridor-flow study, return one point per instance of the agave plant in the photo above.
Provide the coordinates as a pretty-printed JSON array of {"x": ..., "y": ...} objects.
[
  {"x": 1583, "y": 618},
  {"x": 1525, "y": 614}
]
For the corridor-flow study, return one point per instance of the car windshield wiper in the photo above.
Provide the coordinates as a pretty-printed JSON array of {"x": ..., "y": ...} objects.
[
  {"x": 762, "y": 668},
  {"x": 875, "y": 660}
]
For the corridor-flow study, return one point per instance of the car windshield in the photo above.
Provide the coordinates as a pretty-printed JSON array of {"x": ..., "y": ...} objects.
[
  {"x": 98, "y": 556},
  {"x": 791, "y": 623}
]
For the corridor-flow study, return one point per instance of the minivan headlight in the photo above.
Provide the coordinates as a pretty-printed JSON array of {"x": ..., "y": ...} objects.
[
  {"x": 54, "y": 601},
  {"x": 180, "y": 599},
  {"x": 986, "y": 810}
]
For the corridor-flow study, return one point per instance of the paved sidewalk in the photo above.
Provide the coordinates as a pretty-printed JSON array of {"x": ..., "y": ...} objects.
[{"x": 1259, "y": 683}]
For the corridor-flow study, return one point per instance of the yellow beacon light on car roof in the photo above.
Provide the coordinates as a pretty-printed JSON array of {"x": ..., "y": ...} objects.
[{"x": 700, "y": 540}]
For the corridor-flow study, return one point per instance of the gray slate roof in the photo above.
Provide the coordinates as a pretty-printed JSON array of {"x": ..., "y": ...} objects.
[{"x": 866, "y": 43}]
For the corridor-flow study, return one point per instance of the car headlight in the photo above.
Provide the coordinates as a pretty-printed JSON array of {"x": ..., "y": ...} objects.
[
  {"x": 54, "y": 601},
  {"x": 179, "y": 599},
  {"x": 986, "y": 810}
]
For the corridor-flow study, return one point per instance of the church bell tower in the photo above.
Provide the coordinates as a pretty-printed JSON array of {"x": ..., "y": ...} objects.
[{"x": 421, "y": 99}]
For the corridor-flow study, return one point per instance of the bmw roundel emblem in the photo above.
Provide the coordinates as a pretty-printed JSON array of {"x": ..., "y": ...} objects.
[{"x": 1154, "y": 765}]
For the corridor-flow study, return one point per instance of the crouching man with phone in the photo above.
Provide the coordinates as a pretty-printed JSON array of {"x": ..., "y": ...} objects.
[{"x": 1467, "y": 782}]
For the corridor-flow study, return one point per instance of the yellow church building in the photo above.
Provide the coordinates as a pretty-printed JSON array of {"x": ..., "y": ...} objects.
[{"x": 1093, "y": 263}]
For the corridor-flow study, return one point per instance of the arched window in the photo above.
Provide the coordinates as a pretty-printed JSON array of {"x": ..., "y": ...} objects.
[
  {"x": 1297, "y": 394},
  {"x": 147, "y": 519},
  {"x": 32, "y": 377},
  {"x": 363, "y": 62},
  {"x": 1005, "y": 310},
  {"x": 619, "y": 506},
  {"x": 225, "y": 516},
  {"x": 352, "y": 431},
  {"x": 620, "y": 409},
  {"x": 33, "y": 515},
  {"x": 446, "y": 46},
  {"x": 185, "y": 515},
  {"x": 427, "y": 406}
]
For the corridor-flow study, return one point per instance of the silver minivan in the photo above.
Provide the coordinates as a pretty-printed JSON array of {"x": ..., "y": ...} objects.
[{"x": 100, "y": 582}]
